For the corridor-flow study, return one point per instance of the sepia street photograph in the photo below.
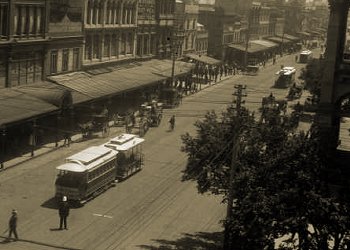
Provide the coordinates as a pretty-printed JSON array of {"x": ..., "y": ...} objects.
[{"x": 174, "y": 124}]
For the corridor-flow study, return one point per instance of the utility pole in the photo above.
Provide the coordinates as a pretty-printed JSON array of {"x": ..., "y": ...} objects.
[{"x": 235, "y": 149}]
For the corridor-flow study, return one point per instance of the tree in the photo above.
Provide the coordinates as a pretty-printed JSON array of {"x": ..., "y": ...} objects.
[
  {"x": 312, "y": 75},
  {"x": 279, "y": 185}
]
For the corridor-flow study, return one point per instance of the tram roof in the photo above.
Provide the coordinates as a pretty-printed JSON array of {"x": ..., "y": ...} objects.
[
  {"x": 91, "y": 155},
  {"x": 124, "y": 142},
  {"x": 306, "y": 52},
  {"x": 286, "y": 71},
  {"x": 72, "y": 167}
]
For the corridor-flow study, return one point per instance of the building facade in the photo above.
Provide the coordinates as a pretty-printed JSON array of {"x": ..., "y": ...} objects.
[
  {"x": 65, "y": 47},
  {"x": 201, "y": 40},
  {"x": 23, "y": 37},
  {"x": 109, "y": 31},
  {"x": 186, "y": 17},
  {"x": 165, "y": 16},
  {"x": 146, "y": 29}
]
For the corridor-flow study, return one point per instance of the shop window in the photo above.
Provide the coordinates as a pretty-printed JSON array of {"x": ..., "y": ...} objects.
[
  {"x": 76, "y": 58},
  {"x": 53, "y": 62},
  {"x": 26, "y": 69},
  {"x": 107, "y": 46},
  {"x": 65, "y": 59},
  {"x": 3, "y": 20},
  {"x": 114, "y": 45}
]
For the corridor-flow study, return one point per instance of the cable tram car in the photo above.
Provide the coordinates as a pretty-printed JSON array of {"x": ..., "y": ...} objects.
[
  {"x": 252, "y": 70},
  {"x": 305, "y": 56},
  {"x": 130, "y": 157},
  {"x": 285, "y": 77},
  {"x": 86, "y": 174}
]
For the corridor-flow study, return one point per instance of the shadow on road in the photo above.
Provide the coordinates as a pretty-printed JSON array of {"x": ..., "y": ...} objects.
[
  {"x": 200, "y": 240},
  {"x": 50, "y": 203}
]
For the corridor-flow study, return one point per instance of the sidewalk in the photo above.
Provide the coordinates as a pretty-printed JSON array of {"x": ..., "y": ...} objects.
[{"x": 50, "y": 147}]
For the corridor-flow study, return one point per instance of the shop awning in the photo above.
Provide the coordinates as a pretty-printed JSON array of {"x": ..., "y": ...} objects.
[
  {"x": 18, "y": 106},
  {"x": 87, "y": 86},
  {"x": 203, "y": 59},
  {"x": 292, "y": 38},
  {"x": 278, "y": 39},
  {"x": 164, "y": 67},
  {"x": 48, "y": 92},
  {"x": 254, "y": 46},
  {"x": 303, "y": 33}
]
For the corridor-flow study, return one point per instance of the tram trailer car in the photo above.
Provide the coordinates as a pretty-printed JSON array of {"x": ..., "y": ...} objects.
[
  {"x": 130, "y": 156},
  {"x": 86, "y": 174}
]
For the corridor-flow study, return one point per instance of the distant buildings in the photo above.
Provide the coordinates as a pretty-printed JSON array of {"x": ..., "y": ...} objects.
[
  {"x": 186, "y": 17},
  {"x": 23, "y": 39}
]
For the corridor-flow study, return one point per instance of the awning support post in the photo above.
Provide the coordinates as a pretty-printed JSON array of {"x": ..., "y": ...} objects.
[
  {"x": 32, "y": 139},
  {"x": 3, "y": 144},
  {"x": 58, "y": 118}
]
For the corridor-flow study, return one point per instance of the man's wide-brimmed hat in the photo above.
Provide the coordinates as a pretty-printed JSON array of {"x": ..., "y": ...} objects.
[{"x": 14, "y": 211}]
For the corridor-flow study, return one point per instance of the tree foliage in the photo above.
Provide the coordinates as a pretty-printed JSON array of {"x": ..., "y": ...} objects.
[
  {"x": 279, "y": 184},
  {"x": 312, "y": 75}
]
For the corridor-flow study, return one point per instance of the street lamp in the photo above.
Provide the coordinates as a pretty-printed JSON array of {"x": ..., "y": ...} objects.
[{"x": 176, "y": 43}]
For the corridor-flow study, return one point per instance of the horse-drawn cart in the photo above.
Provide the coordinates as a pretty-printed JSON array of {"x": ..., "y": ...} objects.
[{"x": 98, "y": 123}]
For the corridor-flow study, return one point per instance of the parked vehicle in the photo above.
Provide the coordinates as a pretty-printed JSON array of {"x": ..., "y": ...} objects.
[
  {"x": 310, "y": 104},
  {"x": 156, "y": 113},
  {"x": 130, "y": 157},
  {"x": 170, "y": 97},
  {"x": 98, "y": 123},
  {"x": 285, "y": 77},
  {"x": 86, "y": 174},
  {"x": 295, "y": 92},
  {"x": 252, "y": 70},
  {"x": 141, "y": 119},
  {"x": 270, "y": 102}
]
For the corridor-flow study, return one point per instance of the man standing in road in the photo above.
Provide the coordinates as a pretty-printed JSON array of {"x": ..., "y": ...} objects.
[
  {"x": 13, "y": 224},
  {"x": 63, "y": 212}
]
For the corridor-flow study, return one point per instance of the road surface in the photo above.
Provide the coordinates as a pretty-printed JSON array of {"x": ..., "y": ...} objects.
[{"x": 153, "y": 209}]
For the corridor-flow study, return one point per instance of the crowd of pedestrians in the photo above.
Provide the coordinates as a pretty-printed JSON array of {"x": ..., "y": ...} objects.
[{"x": 207, "y": 73}]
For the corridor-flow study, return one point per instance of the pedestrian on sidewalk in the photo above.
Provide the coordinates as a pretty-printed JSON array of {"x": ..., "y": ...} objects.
[
  {"x": 67, "y": 139},
  {"x": 63, "y": 212},
  {"x": 13, "y": 225}
]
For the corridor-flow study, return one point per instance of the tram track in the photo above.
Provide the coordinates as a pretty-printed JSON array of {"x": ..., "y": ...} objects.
[{"x": 143, "y": 203}]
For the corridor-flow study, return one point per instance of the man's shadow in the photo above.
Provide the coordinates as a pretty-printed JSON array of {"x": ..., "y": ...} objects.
[{"x": 5, "y": 240}]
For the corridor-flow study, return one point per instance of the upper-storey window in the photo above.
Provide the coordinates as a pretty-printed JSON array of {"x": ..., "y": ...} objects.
[
  {"x": 28, "y": 20},
  {"x": 3, "y": 20}
]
